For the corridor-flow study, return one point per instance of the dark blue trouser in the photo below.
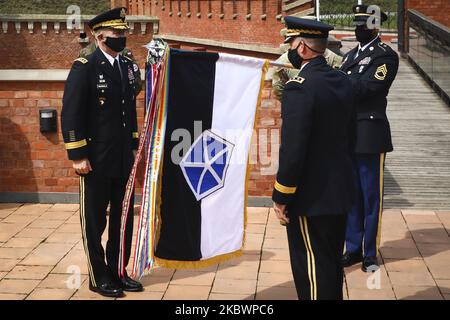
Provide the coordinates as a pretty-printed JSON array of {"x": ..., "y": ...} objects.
[{"x": 364, "y": 220}]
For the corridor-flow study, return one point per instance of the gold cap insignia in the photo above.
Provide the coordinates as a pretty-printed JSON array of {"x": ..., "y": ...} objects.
[{"x": 122, "y": 13}]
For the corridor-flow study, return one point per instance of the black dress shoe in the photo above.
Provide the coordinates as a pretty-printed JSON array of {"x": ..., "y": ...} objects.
[
  {"x": 128, "y": 284},
  {"x": 351, "y": 258},
  {"x": 370, "y": 264},
  {"x": 107, "y": 289}
]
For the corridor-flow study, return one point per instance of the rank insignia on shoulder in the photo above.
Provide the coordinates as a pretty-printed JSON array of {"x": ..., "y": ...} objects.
[
  {"x": 128, "y": 58},
  {"x": 297, "y": 79},
  {"x": 381, "y": 72},
  {"x": 82, "y": 60},
  {"x": 382, "y": 45}
]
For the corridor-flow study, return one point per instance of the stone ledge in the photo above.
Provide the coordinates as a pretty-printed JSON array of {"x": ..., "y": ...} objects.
[
  {"x": 58, "y": 19},
  {"x": 39, "y": 74}
]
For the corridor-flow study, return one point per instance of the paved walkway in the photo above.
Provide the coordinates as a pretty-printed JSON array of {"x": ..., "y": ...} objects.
[{"x": 41, "y": 248}]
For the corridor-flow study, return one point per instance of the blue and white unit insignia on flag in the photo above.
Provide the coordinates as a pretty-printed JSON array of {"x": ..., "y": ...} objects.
[{"x": 205, "y": 164}]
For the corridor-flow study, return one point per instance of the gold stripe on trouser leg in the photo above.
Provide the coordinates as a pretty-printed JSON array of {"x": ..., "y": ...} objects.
[
  {"x": 310, "y": 258},
  {"x": 83, "y": 229},
  {"x": 380, "y": 211},
  {"x": 313, "y": 259}
]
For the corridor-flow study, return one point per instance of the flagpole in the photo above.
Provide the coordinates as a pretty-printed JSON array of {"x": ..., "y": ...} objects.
[{"x": 280, "y": 65}]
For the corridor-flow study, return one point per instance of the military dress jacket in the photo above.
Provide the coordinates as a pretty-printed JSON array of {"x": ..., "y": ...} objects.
[
  {"x": 98, "y": 118},
  {"x": 372, "y": 74},
  {"x": 315, "y": 168}
]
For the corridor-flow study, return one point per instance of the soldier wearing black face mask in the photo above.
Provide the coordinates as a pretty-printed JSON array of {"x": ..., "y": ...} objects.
[
  {"x": 314, "y": 187},
  {"x": 99, "y": 127},
  {"x": 372, "y": 67},
  {"x": 280, "y": 75}
]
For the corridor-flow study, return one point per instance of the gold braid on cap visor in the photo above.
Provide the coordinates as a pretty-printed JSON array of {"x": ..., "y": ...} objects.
[
  {"x": 296, "y": 32},
  {"x": 117, "y": 24}
]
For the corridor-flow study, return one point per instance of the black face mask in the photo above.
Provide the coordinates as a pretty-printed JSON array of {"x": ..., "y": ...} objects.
[
  {"x": 364, "y": 35},
  {"x": 116, "y": 44},
  {"x": 294, "y": 58}
]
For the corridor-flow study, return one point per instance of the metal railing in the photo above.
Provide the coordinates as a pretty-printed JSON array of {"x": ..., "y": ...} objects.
[
  {"x": 429, "y": 51},
  {"x": 339, "y": 13}
]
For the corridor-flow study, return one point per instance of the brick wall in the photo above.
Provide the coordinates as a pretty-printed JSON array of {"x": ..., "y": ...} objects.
[
  {"x": 25, "y": 50},
  {"x": 34, "y": 162},
  {"x": 438, "y": 10},
  {"x": 238, "y": 29}
]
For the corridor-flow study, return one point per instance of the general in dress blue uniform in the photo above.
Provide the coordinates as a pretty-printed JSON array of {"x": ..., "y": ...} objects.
[
  {"x": 314, "y": 187},
  {"x": 99, "y": 127}
]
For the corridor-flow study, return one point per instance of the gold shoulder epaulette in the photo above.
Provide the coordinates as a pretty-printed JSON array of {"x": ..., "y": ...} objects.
[
  {"x": 82, "y": 60},
  {"x": 297, "y": 79}
]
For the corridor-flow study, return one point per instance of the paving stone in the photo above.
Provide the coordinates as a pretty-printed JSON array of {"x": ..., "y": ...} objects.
[
  {"x": 70, "y": 228},
  {"x": 402, "y": 279},
  {"x": 45, "y": 223},
  {"x": 64, "y": 237},
  {"x": 375, "y": 294},
  {"x": 436, "y": 235},
  {"x": 234, "y": 286},
  {"x": 14, "y": 253},
  {"x": 249, "y": 272},
  {"x": 51, "y": 294},
  {"x": 18, "y": 286},
  {"x": 33, "y": 209},
  {"x": 182, "y": 292},
  {"x": 444, "y": 285},
  {"x": 62, "y": 281},
  {"x": 406, "y": 266},
  {"x": 35, "y": 233},
  {"x": 276, "y": 293},
  {"x": 226, "y": 296},
  {"x": 22, "y": 243},
  {"x": 7, "y": 265},
  {"x": 12, "y": 296},
  {"x": 47, "y": 254},
  {"x": 29, "y": 272},
  {"x": 64, "y": 207},
  {"x": 266, "y": 279},
  {"x": 19, "y": 219},
  {"x": 74, "y": 260},
  {"x": 276, "y": 254},
  {"x": 275, "y": 266},
  {"x": 417, "y": 293},
  {"x": 145, "y": 295},
  {"x": 192, "y": 278},
  {"x": 58, "y": 215},
  {"x": 158, "y": 284},
  {"x": 400, "y": 253}
]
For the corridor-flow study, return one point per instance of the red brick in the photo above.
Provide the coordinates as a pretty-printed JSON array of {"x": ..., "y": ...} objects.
[
  {"x": 6, "y": 94},
  {"x": 51, "y": 182},
  {"x": 49, "y": 94},
  {"x": 4, "y": 103},
  {"x": 21, "y": 94},
  {"x": 30, "y": 103},
  {"x": 34, "y": 94},
  {"x": 43, "y": 103}
]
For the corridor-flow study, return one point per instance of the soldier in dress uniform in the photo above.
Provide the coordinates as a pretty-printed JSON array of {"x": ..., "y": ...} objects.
[
  {"x": 314, "y": 187},
  {"x": 282, "y": 75},
  {"x": 99, "y": 127},
  {"x": 372, "y": 67}
]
